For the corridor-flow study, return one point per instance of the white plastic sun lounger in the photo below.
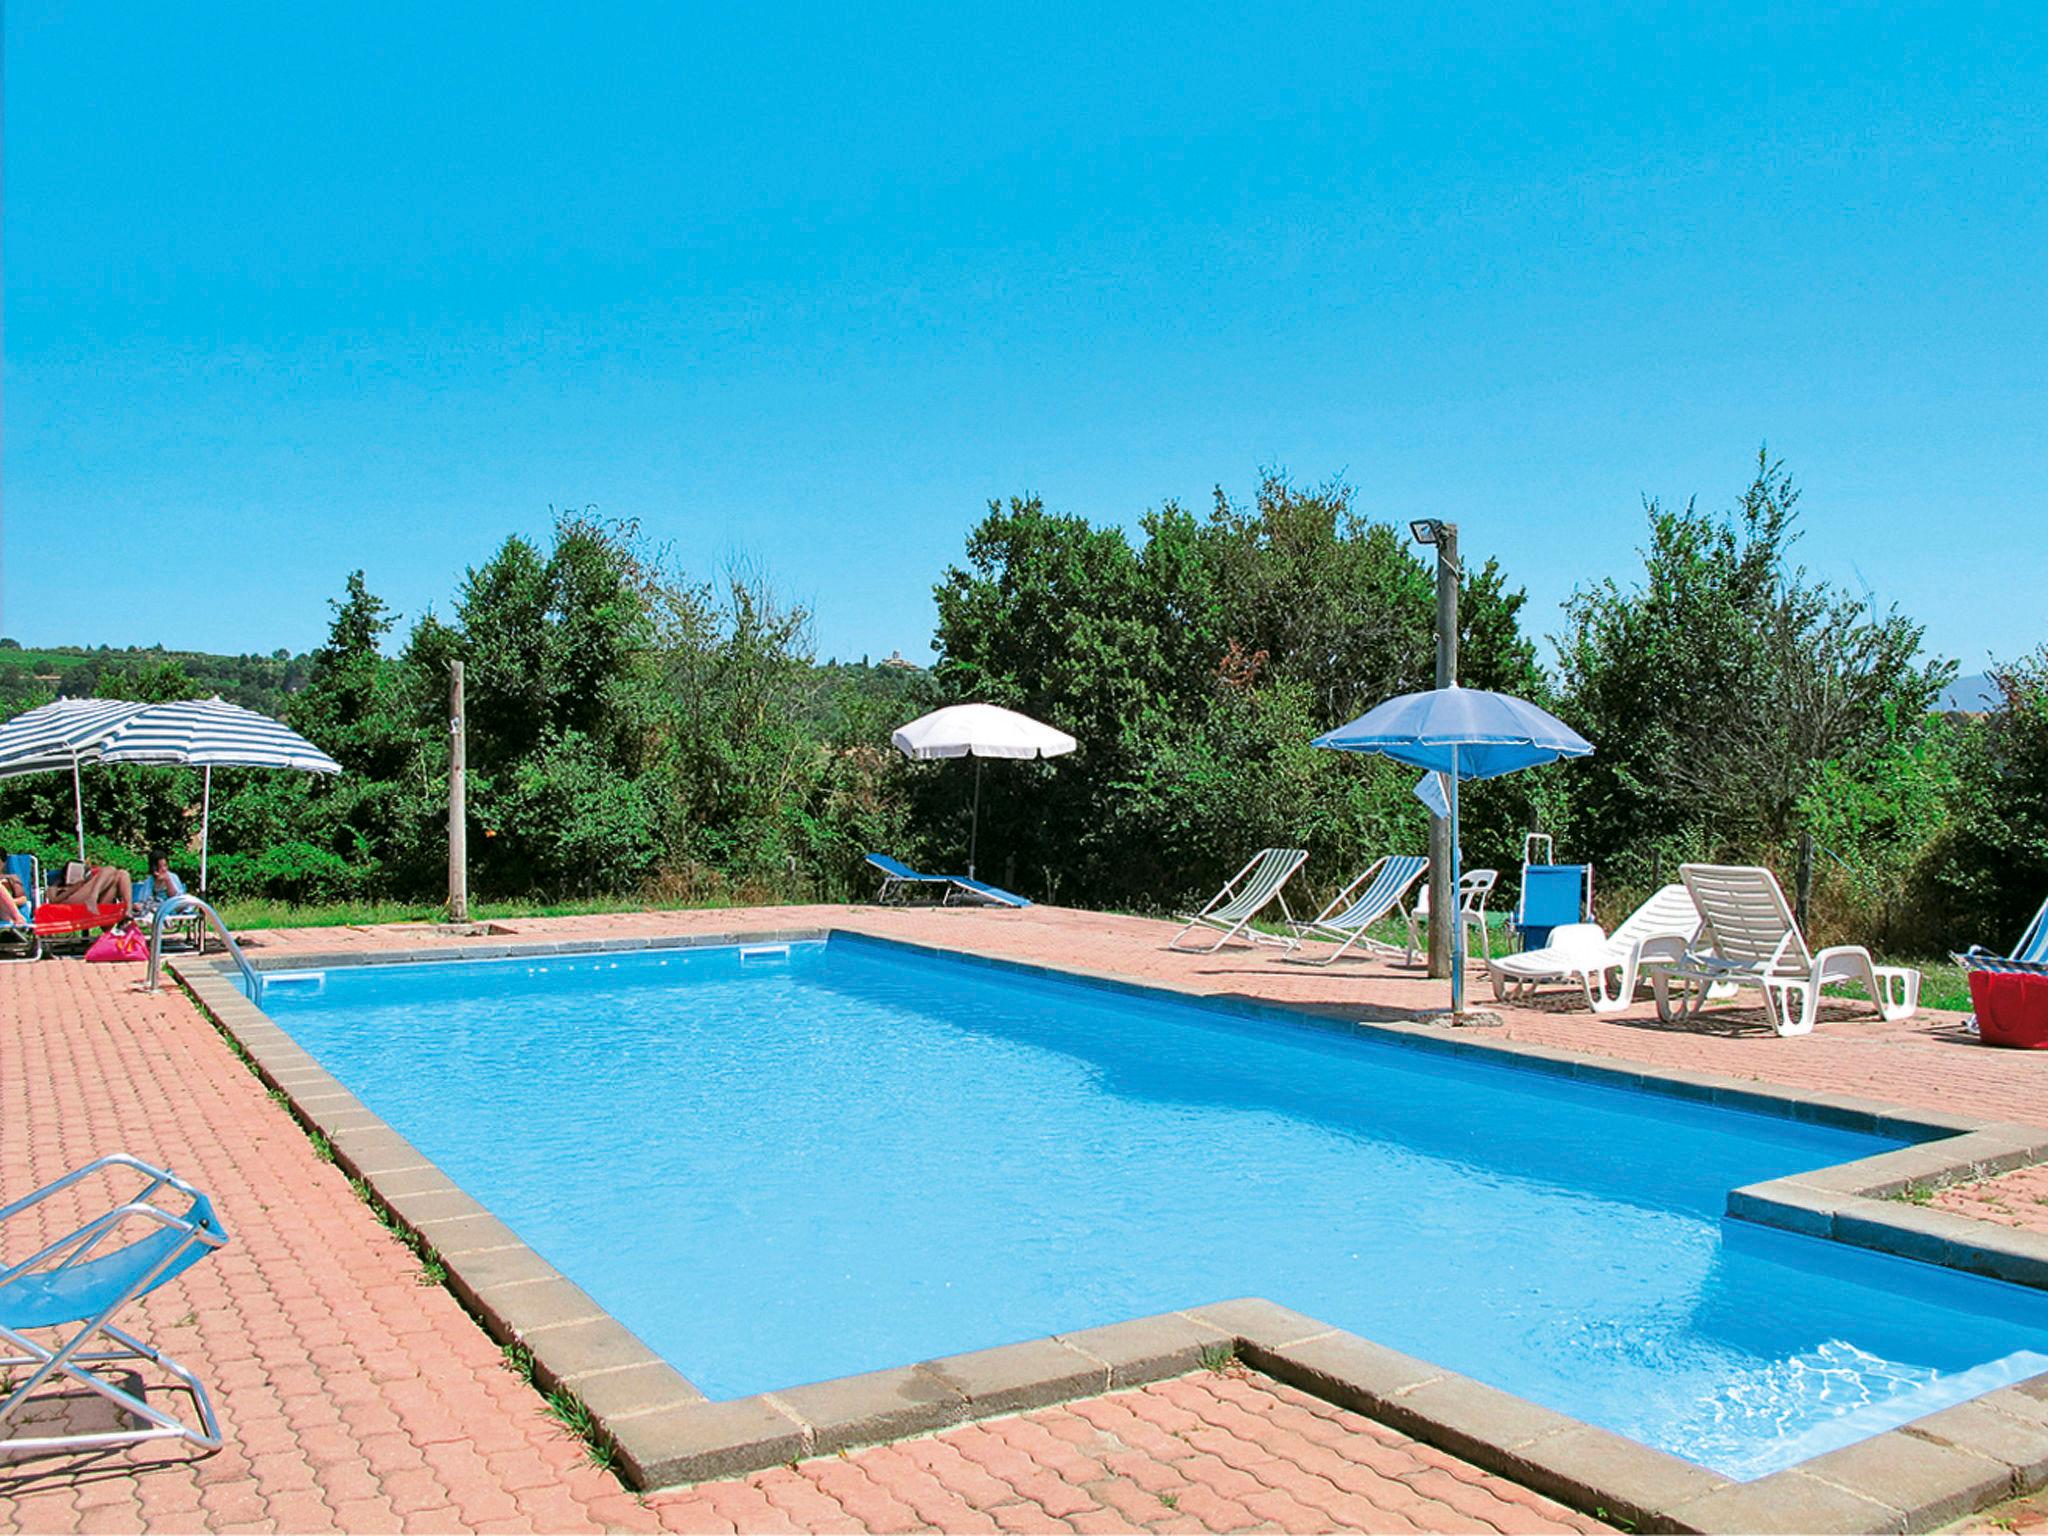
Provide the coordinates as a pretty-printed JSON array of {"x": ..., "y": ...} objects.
[
  {"x": 1383, "y": 889},
  {"x": 1749, "y": 937},
  {"x": 1662, "y": 928},
  {"x": 1230, "y": 911}
]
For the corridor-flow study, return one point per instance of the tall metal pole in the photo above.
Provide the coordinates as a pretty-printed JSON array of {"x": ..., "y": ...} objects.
[
  {"x": 78, "y": 805},
  {"x": 1443, "y": 884},
  {"x": 458, "y": 801},
  {"x": 205, "y": 828},
  {"x": 974, "y": 826},
  {"x": 1457, "y": 917}
]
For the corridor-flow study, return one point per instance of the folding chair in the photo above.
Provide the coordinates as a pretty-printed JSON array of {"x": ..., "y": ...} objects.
[
  {"x": 1230, "y": 911},
  {"x": 1380, "y": 891},
  {"x": 68, "y": 1287}
]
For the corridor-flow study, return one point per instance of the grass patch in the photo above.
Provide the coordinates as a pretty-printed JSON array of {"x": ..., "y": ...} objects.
[
  {"x": 432, "y": 1270},
  {"x": 519, "y": 1361},
  {"x": 1218, "y": 1358},
  {"x": 1943, "y": 984},
  {"x": 569, "y": 1411},
  {"x": 1915, "y": 1194}
]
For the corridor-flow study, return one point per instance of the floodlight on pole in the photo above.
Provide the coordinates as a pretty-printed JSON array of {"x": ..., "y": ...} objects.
[{"x": 1446, "y": 922}]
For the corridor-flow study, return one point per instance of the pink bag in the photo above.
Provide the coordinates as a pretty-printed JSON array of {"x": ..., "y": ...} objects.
[{"x": 119, "y": 944}]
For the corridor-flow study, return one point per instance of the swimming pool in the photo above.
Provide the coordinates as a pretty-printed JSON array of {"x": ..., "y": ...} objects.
[{"x": 789, "y": 1164}]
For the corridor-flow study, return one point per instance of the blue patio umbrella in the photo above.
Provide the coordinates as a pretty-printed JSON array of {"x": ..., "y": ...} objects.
[{"x": 1461, "y": 733}]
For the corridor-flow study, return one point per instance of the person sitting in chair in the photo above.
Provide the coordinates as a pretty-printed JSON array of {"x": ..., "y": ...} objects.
[
  {"x": 101, "y": 885},
  {"x": 159, "y": 885},
  {"x": 12, "y": 895}
]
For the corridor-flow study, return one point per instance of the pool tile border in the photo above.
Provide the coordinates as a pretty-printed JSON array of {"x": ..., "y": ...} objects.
[{"x": 665, "y": 1431}]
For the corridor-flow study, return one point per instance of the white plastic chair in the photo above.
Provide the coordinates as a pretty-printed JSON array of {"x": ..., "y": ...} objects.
[{"x": 1474, "y": 887}]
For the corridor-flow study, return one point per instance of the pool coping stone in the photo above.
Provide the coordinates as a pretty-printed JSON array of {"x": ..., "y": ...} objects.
[{"x": 666, "y": 1432}]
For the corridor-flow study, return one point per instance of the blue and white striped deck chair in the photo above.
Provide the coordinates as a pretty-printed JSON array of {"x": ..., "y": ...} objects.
[
  {"x": 2030, "y": 954},
  {"x": 1249, "y": 892},
  {"x": 70, "y": 1287},
  {"x": 1382, "y": 890}
]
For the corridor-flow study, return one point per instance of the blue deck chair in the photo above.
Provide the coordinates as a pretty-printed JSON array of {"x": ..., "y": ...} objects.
[
  {"x": 1382, "y": 890},
  {"x": 23, "y": 943},
  {"x": 899, "y": 878},
  {"x": 68, "y": 1287},
  {"x": 1552, "y": 895},
  {"x": 2030, "y": 954},
  {"x": 980, "y": 891}
]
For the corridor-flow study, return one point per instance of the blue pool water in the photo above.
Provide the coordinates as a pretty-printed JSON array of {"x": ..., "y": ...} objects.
[{"x": 781, "y": 1168}]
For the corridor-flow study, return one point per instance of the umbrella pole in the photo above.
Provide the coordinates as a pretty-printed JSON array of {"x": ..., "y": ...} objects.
[
  {"x": 1457, "y": 906},
  {"x": 78, "y": 806},
  {"x": 205, "y": 825},
  {"x": 974, "y": 826}
]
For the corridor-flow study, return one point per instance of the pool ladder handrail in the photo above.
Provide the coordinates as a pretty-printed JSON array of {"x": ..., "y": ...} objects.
[{"x": 177, "y": 906}]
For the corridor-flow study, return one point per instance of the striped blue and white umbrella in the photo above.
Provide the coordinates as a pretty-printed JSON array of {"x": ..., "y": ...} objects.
[
  {"x": 209, "y": 734},
  {"x": 62, "y": 735},
  {"x": 212, "y": 733}
]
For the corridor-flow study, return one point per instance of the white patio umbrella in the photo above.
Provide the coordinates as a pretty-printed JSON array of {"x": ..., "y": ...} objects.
[
  {"x": 209, "y": 734},
  {"x": 979, "y": 731},
  {"x": 65, "y": 733}
]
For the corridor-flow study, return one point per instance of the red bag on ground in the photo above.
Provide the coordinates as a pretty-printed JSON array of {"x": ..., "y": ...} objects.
[
  {"x": 120, "y": 944},
  {"x": 2012, "y": 1008}
]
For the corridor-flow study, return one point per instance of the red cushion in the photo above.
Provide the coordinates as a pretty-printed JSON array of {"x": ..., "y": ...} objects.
[
  {"x": 56, "y": 917},
  {"x": 2012, "y": 1008}
]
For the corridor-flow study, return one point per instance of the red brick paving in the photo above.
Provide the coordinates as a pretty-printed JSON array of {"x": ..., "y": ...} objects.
[
  {"x": 2016, "y": 1199},
  {"x": 356, "y": 1398},
  {"x": 2026, "y": 1516}
]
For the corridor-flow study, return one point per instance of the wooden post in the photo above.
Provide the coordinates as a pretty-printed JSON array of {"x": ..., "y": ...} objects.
[
  {"x": 1802, "y": 905},
  {"x": 1443, "y": 892},
  {"x": 458, "y": 801}
]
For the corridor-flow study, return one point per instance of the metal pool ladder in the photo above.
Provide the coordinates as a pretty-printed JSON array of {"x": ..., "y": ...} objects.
[{"x": 252, "y": 979}]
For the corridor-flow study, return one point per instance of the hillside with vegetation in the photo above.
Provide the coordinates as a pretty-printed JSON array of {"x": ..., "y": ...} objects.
[
  {"x": 639, "y": 733},
  {"x": 256, "y": 682}
]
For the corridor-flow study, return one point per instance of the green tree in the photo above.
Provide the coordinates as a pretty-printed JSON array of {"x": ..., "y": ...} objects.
[
  {"x": 1196, "y": 667},
  {"x": 1727, "y": 688}
]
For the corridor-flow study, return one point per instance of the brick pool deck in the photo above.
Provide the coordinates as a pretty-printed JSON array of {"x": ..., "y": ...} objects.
[{"x": 354, "y": 1397}]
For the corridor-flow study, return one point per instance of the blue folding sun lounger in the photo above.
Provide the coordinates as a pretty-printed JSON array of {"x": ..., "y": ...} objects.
[
  {"x": 1552, "y": 895},
  {"x": 69, "y": 1287},
  {"x": 899, "y": 878}
]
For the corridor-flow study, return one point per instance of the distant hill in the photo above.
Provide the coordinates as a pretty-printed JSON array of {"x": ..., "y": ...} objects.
[
  {"x": 846, "y": 697},
  {"x": 1975, "y": 694},
  {"x": 255, "y": 682}
]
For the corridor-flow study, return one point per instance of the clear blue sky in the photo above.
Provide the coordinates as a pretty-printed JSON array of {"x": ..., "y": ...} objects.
[{"x": 294, "y": 289}]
